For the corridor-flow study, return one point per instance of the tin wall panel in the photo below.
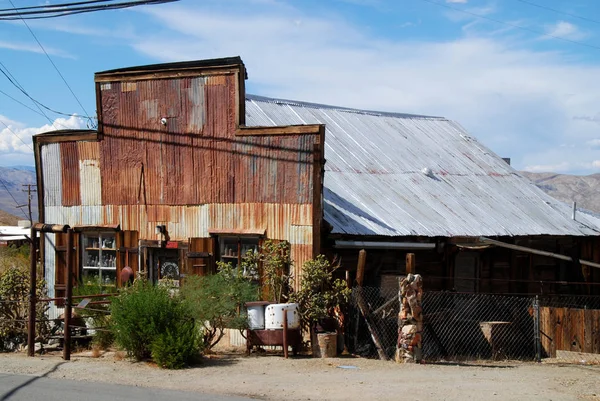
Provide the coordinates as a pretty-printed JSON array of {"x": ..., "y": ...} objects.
[
  {"x": 90, "y": 182},
  {"x": 52, "y": 174},
  {"x": 69, "y": 155},
  {"x": 196, "y": 157}
]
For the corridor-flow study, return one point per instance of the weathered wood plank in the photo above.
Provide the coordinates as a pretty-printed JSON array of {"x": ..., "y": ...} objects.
[{"x": 588, "y": 325}]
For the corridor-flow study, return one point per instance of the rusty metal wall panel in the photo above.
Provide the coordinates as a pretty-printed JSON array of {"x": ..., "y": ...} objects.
[
  {"x": 299, "y": 254},
  {"x": 88, "y": 150},
  {"x": 195, "y": 158},
  {"x": 52, "y": 174},
  {"x": 185, "y": 222},
  {"x": 69, "y": 156}
]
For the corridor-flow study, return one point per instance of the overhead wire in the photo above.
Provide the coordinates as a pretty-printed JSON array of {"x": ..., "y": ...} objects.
[
  {"x": 54, "y": 65},
  {"x": 512, "y": 25},
  {"x": 559, "y": 11},
  {"x": 17, "y": 85},
  {"x": 13, "y": 198},
  {"x": 61, "y": 10}
]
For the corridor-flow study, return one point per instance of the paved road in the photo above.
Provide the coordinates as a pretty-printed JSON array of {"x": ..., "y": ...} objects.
[{"x": 17, "y": 387}]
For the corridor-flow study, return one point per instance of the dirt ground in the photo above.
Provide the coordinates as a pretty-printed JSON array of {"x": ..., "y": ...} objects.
[{"x": 271, "y": 377}]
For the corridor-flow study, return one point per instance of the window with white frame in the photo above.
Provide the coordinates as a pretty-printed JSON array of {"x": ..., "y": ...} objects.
[{"x": 99, "y": 258}]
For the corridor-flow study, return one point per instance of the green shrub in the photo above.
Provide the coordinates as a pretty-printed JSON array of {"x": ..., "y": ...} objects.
[
  {"x": 217, "y": 301},
  {"x": 178, "y": 346},
  {"x": 143, "y": 313},
  {"x": 98, "y": 313}
]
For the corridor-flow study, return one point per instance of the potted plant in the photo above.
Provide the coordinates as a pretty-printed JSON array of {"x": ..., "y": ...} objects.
[{"x": 319, "y": 296}]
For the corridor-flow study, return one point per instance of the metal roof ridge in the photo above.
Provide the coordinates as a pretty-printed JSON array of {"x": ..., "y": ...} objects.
[{"x": 340, "y": 108}]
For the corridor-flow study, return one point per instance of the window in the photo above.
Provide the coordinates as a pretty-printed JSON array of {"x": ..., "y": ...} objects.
[
  {"x": 99, "y": 258},
  {"x": 232, "y": 249}
]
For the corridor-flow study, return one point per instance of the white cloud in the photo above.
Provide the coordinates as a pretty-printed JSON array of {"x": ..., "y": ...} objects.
[
  {"x": 566, "y": 30},
  {"x": 16, "y": 137},
  {"x": 549, "y": 168},
  {"x": 34, "y": 48},
  {"x": 594, "y": 143},
  {"x": 596, "y": 164},
  {"x": 520, "y": 102},
  {"x": 457, "y": 1}
]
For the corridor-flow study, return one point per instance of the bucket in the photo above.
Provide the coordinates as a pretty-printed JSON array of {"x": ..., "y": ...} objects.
[{"x": 327, "y": 345}]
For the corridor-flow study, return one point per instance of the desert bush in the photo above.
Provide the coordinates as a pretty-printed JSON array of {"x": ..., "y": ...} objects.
[
  {"x": 145, "y": 314},
  {"x": 178, "y": 346},
  {"x": 14, "y": 307},
  {"x": 217, "y": 301}
]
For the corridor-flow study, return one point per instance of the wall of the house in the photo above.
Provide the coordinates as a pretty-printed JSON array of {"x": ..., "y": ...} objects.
[{"x": 195, "y": 175}]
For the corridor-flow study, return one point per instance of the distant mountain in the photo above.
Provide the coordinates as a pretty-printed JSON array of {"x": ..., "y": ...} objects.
[
  {"x": 12, "y": 180},
  {"x": 585, "y": 190}
]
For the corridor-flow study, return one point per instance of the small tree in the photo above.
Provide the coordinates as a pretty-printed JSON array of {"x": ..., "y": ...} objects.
[
  {"x": 275, "y": 262},
  {"x": 319, "y": 293},
  {"x": 217, "y": 301}
]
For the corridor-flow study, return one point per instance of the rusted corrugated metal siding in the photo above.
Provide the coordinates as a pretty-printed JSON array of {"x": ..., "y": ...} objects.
[
  {"x": 195, "y": 158},
  {"x": 283, "y": 222},
  {"x": 69, "y": 155}
]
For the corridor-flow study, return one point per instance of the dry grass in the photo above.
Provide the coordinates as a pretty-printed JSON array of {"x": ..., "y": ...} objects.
[{"x": 119, "y": 355}]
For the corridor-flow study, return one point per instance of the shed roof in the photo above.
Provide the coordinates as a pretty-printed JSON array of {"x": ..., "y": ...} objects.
[{"x": 393, "y": 174}]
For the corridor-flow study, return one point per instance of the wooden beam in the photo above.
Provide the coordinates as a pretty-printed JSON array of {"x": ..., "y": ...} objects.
[
  {"x": 66, "y": 137},
  {"x": 283, "y": 130},
  {"x": 410, "y": 263},
  {"x": 164, "y": 74},
  {"x": 360, "y": 268}
]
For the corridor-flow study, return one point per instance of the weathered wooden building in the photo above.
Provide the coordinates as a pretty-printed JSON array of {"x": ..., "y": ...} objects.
[{"x": 186, "y": 169}]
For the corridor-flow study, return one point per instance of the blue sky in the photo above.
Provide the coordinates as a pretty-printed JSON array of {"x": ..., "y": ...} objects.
[{"x": 521, "y": 92}]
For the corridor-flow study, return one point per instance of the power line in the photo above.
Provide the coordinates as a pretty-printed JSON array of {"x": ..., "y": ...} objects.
[
  {"x": 11, "y": 195},
  {"x": 511, "y": 24},
  {"x": 17, "y": 136},
  {"x": 17, "y": 85},
  {"x": 64, "y": 9},
  {"x": 559, "y": 11},
  {"x": 62, "y": 5},
  {"x": 54, "y": 65}
]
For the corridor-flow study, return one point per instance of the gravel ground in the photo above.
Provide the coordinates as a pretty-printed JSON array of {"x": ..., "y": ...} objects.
[{"x": 271, "y": 377}]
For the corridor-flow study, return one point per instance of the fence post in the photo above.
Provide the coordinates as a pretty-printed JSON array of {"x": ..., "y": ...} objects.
[
  {"x": 32, "y": 294},
  {"x": 536, "y": 329},
  {"x": 68, "y": 298}
]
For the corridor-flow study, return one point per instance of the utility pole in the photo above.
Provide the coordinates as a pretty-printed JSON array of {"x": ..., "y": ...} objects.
[{"x": 29, "y": 191}]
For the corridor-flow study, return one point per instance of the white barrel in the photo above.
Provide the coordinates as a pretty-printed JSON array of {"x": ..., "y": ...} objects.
[
  {"x": 256, "y": 317},
  {"x": 274, "y": 316}
]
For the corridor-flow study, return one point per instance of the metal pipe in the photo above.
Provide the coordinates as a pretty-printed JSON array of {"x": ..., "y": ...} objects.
[
  {"x": 383, "y": 245},
  {"x": 50, "y": 228},
  {"x": 536, "y": 251},
  {"x": 574, "y": 209},
  {"x": 32, "y": 295}
]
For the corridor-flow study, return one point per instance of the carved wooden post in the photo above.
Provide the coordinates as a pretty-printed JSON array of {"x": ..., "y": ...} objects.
[{"x": 410, "y": 318}]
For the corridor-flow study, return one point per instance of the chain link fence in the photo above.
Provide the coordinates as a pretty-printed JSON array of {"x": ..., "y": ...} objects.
[{"x": 460, "y": 326}]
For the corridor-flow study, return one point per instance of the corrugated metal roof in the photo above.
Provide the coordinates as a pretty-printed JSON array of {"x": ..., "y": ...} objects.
[{"x": 396, "y": 174}]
